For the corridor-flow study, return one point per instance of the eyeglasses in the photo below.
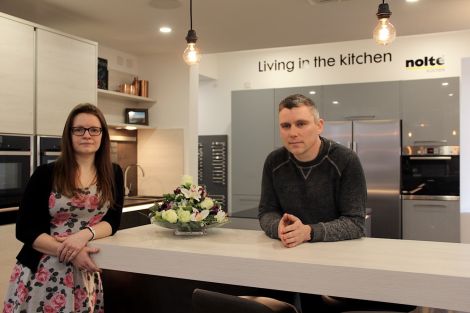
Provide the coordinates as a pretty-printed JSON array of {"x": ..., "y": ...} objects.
[{"x": 80, "y": 131}]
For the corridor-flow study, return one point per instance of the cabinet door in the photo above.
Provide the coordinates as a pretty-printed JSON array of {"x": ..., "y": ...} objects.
[
  {"x": 430, "y": 111},
  {"x": 361, "y": 101},
  {"x": 245, "y": 206},
  {"x": 252, "y": 138},
  {"x": 431, "y": 220},
  {"x": 66, "y": 76},
  {"x": 313, "y": 92},
  {"x": 16, "y": 77}
]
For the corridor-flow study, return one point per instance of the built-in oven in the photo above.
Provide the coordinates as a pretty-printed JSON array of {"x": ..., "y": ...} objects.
[
  {"x": 48, "y": 149},
  {"x": 16, "y": 164},
  {"x": 430, "y": 191}
]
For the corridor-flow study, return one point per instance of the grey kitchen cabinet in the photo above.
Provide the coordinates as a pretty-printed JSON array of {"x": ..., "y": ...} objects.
[
  {"x": 66, "y": 76},
  {"x": 430, "y": 111},
  {"x": 245, "y": 205},
  {"x": 377, "y": 100},
  {"x": 252, "y": 138},
  {"x": 313, "y": 92},
  {"x": 16, "y": 77},
  {"x": 431, "y": 220}
]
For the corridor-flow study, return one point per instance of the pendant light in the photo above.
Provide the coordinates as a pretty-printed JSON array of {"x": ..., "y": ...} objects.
[
  {"x": 384, "y": 33},
  {"x": 191, "y": 54}
]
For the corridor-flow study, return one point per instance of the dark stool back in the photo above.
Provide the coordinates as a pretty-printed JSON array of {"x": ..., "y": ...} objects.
[{"x": 205, "y": 301}]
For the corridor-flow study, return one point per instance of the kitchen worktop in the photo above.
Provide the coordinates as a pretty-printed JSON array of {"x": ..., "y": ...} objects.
[{"x": 432, "y": 274}]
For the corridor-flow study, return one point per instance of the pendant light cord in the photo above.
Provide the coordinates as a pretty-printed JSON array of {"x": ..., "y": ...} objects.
[{"x": 191, "y": 13}]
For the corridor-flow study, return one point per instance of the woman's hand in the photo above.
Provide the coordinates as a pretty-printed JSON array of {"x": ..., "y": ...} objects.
[
  {"x": 71, "y": 245},
  {"x": 83, "y": 261}
]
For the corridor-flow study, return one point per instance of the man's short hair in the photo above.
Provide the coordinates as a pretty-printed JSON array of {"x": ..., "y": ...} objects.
[{"x": 298, "y": 100}]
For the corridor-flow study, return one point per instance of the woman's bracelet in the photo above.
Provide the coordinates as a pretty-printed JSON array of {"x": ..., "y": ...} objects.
[{"x": 93, "y": 234}]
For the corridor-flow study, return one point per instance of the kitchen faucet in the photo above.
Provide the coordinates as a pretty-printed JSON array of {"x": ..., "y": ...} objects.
[{"x": 127, "y": 190}]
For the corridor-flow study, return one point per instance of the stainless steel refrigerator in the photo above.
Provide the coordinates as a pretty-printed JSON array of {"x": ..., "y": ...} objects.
[{"x": 378, "y": 145}]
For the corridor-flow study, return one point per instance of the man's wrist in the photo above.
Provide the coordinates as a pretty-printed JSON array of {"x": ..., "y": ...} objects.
[{"x": 308, "y": 233}]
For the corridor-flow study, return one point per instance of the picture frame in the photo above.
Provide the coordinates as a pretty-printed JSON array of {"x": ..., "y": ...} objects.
[{"x": 137, "y": 116}]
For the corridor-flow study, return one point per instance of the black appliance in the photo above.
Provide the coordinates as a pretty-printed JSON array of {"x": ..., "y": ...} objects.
[
  {"x": 16, "y": 163},
  {"x": 212, "y": 166},
  {"x": 48, "y": 149},
  {"x": 430, "y": 172}
]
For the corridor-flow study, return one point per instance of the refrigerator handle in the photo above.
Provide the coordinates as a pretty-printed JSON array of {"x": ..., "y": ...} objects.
[{"x": 354, "y": 146}]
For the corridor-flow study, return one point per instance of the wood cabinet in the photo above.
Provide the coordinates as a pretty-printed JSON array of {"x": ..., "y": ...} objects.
[
  {"x": 16, "y": 77},
  {"x": 430, "y": 111},
  {"x": 66, "y": 76}
]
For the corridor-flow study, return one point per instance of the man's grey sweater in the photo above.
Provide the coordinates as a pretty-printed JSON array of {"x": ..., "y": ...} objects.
[{"x": 328, "y": 193}]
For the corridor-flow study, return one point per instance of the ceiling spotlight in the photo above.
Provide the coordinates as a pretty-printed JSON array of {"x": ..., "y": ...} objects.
[
  {"x": 191, "y": 54},
  {"x": 165, "y": 29},
  {"x": 384, "y": 33},
  {"x": 312, "y": 92}
]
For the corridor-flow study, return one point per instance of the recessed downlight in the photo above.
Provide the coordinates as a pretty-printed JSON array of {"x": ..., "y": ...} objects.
[
  {"x": 312, "y": 92},
  {"x": 445, "y": 84},
  {"x": 335, "y": 102},
  {"x": 165, "y": 29}
]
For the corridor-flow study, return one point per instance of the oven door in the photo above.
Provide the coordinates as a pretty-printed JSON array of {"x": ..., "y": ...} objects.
[
  {"x": 430, "y": 175},
  {"x": 15, "y": 169}
]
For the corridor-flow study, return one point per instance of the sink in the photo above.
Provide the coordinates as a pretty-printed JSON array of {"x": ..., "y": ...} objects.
[
  {"x": 143, "y": 198},
  {"x": 136, "y": 200}
]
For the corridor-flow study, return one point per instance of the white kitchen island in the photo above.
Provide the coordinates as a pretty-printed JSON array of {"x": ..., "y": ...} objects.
[{"x": 431, "y": 274}]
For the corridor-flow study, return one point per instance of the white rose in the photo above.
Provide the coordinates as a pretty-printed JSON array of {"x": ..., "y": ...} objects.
[
  {"x": 184, "y": 216},
  {"x": 170, "y": 216},
  {"x": 207, "y": 203},
  {"x": 186, "y": 179},
  {"x": 220, "y": 216}
]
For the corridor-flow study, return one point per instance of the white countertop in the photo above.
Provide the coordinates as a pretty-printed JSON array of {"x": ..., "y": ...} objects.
[{"x": 432, "y": 274}]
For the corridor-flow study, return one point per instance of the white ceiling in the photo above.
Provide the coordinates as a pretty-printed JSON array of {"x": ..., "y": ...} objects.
[{"x": 223, "y": 25}]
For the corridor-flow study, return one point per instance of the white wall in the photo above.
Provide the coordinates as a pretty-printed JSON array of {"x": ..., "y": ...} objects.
[
  {"x": 246, "y": 70},
  {"x": 465, "y": 152},
  {"x": 172, "y": 84},
  {"x": 240, "y": 70}
]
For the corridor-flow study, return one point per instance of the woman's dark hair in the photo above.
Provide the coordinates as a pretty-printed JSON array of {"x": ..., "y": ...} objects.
[{"x": 66, "y": 167}]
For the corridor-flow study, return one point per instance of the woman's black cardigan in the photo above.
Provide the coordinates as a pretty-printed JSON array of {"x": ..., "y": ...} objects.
[{"x": 34, "y": 218}]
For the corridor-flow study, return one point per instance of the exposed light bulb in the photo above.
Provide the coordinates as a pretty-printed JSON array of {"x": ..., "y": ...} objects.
[
  {"x": 191, "y": 54},
  {"x": 384, "y": 33}
]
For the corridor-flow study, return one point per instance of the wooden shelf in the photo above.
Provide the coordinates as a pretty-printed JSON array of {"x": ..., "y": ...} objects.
[
  {"x": 123, "y": 125},
  {"x": 123, "y": 96}
]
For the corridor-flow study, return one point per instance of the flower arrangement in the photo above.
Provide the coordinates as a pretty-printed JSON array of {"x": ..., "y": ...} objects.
[{"x": 188, "y": 209}]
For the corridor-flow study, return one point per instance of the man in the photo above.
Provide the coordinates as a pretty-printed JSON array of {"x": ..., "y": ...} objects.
[{"x": 313, "y": 189}]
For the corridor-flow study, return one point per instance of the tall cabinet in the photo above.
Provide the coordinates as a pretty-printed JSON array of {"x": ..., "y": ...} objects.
[
  {"x": 16, "y": 77},
  {"x": 44, "y": 74},
  {"x": 66, "y": 76},
  {"x": 252, "y": 141}
]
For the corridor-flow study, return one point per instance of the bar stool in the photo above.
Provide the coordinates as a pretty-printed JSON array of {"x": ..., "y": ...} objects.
[
  {"x": 343, "y": 305},
  {"x": 205, "y": 301}
]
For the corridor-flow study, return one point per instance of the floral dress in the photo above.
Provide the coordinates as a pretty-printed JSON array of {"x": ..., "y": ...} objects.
[{"x": 57, "y": 286}]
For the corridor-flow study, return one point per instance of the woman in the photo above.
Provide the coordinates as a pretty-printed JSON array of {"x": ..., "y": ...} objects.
[{"x": 66, "y": 204}]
